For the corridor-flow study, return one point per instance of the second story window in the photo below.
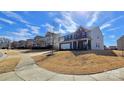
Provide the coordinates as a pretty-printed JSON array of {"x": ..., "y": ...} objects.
[
  {"x": 70, "y": 36},
  {"x": 84, "y": 34}
]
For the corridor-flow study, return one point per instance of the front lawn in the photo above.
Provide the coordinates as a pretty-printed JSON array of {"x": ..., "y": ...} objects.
[
  {"x": 9, "y": 64},
  {"x": 9, "y": 52},
  {"x": 84, "y": 62}
]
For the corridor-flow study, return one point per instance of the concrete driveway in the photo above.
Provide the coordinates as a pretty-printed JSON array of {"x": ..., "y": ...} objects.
[{"x": 27, "y": 70}]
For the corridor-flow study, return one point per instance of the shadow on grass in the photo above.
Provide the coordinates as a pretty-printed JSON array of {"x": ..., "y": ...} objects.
[
  {"x": 97, "y": 52},
  {"x": 34, "y": 50}
]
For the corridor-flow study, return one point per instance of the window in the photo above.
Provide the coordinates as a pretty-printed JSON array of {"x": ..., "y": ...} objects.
[
  {"x": 70, "y": 36},
  {"x": 84, "y": 34},
  {"x": 66, "y": 38},
  {"x": 97, "y": 45}
]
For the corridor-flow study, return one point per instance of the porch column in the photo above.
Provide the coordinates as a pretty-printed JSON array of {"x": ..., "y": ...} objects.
[
  {"x": 76, "y": 44},
  {"x": 72, "y": 44},
  {"x": 87, "y": 43}
]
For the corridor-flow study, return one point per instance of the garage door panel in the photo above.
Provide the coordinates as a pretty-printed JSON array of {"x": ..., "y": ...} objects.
[{"x": 65, "y": 46}]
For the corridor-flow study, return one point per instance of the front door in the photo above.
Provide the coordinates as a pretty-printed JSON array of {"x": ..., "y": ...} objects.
[
  {"x": 82, "y": 45},
  {"x": 74, "y": 45}
]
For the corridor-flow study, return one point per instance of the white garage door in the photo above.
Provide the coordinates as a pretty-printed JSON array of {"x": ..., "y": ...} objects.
[{"x": 65, "y": 46}]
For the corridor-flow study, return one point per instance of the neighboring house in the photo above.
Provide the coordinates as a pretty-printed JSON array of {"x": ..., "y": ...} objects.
[
  {"x": 4, "y": 42},
  {"x": 52, "y": 39},
  {"x": 39, "y": 42},
  {"x": 30, "y": 43},
  {"x": 22, "y": 44},
  {"x": 113, "y": 47},
  {"x": 83, "y": 39},
  {"x": 14, "y": 44},
  {"x": 18, "y": 44},
  {"x": 120, "y": 43}
]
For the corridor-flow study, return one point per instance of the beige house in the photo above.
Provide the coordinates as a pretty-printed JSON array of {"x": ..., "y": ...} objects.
[
  {"x": 39, "y": 41},
  {"x": 14, "y": 44},
  {"x": 113, "y": 47},
  {"x": 29, "y": 43},
  {"x": 120, "y": 43},
  {"x": 22, "y": 43},
  {"x": 18, "y": 44},
  {"x": 52, "y": 39}
]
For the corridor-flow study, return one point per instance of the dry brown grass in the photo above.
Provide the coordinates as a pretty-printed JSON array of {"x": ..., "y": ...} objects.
[
  {"x": 8, "y": 64},
  {"x": 9, "y": 52},
  {"x": 85, "y": 62},
  {"x": 118, "y": 52}
]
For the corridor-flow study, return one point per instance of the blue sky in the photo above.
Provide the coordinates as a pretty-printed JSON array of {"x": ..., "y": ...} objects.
[{"x": 23, "y": 25}]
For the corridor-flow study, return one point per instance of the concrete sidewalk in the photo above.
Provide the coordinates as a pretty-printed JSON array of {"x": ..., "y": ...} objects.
[{"x": 27, "y": 70}]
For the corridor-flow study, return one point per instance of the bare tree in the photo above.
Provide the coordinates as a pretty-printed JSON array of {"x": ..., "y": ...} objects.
[
  {"x": 52, "y": 43},
  {"x": 122, "y": 48},
  {"x": 9, "y": 46},
  {"x": 53, "y": 38},
  {"x": 122, "y": 52}
]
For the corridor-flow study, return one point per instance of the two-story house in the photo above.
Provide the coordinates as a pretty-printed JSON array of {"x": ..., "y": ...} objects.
[
  {"x": 30, "y": 43},
  {"x": 120, "y": 43},
  {"x": 83, "y": 39},
  {"x": 39, "y": 42},
  {"x": 52, "y": 39}
]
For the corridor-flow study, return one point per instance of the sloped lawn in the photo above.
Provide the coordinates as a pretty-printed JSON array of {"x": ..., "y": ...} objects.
[
  {"x": 9, "y": 52},
  {"x": 84, "y": 62},
  {"x": 8, "y": 64}
]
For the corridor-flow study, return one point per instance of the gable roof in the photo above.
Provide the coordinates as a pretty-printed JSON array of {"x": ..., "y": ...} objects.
[{"x": 50, "y": 33}]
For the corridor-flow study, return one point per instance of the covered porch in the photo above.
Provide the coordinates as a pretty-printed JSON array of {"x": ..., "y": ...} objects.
[{"x": 80, "y": 44}]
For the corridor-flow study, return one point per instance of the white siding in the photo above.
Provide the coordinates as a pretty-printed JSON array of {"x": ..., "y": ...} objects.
[
  {"x": 120, "y": 43},
  {"x": 96, "y": 39}
]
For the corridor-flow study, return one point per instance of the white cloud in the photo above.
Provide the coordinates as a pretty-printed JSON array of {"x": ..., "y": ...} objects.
[
  {"x": 58, "y": 20},
  {"x": 16, "y": 16},
  {"x": 52, "y": 14},
  {"x": 105, "y": 26},
  {"x": 94, "y": 18},
  {"x": 109, "y": 23},
  {"x": 5, "y": 36},
  {"x": 112, "y": 36},
  {"x": 115, "y": 19},
  {"x": 113, "y": 29},
  {"x": 6, "y": 21},
  {"x": 49, "y": 27},
  {"x": 22, "y": 33},
  {"x": 34, "y": 29},
  {"x": 61, "y": 30},
  {"x": 67, "y": 22},
  {"x": 85, "y": 14}
]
